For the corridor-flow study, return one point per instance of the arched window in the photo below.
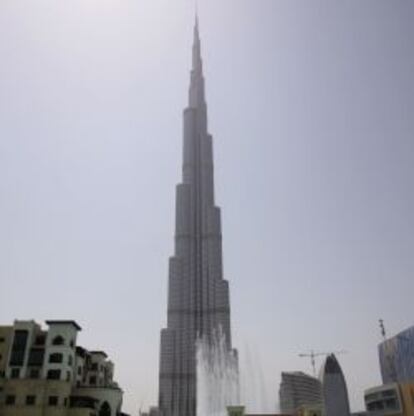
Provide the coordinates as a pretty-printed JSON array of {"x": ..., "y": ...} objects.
[
  {"x": 58, "y": 340},
  {"x": 56, "y": 358},
  {"x": 105, "y": 410}
]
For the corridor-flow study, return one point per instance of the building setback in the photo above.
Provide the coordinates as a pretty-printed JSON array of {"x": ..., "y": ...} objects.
[
  {"x": 198, "y": 296},
  {"x": 299, "y": 389},
  {"x": 45, "y": 373}
]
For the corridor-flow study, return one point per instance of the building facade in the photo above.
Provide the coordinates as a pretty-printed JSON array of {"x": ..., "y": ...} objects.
[
  {"x": 298, "y": 389},
  {"x": 334, "y": 390},
  {"x": 396, "y": 356},
  {"x": 394, "y": 399},
  {"x": 45, "y": 373},
  {"x": 198, "y": 296}
]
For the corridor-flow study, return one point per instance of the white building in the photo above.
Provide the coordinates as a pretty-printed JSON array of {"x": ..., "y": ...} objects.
[{"x": 45, "y": 372}]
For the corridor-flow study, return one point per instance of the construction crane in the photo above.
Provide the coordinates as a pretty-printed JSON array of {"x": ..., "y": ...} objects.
[{"x": 312, "y": 355}]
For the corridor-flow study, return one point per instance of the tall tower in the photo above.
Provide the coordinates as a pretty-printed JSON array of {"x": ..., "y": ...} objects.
[{"x": 198, "y": 296}]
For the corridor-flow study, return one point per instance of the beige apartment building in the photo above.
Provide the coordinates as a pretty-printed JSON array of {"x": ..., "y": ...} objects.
[{"x": 45, "y": 373}]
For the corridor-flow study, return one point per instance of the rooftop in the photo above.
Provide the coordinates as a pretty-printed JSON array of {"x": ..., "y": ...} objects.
[{"x": 65, "y": 322}]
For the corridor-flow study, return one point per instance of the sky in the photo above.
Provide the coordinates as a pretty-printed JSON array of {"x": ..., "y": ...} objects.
[{"x": 311, "y": 107}]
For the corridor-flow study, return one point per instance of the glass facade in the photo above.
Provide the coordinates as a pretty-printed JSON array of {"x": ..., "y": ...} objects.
[{"x": 396, "y": 357}]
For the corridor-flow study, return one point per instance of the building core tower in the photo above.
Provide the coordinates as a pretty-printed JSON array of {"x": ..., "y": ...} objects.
[{"x": 198, "y": 296}]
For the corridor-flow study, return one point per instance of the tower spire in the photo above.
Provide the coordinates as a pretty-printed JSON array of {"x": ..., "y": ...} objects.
[
  {"x": 196, "y": 93},
  {"x": 197, "y": 61}
]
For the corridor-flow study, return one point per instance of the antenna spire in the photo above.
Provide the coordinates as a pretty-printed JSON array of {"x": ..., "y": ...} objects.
[{"x": 382, "y": 328}]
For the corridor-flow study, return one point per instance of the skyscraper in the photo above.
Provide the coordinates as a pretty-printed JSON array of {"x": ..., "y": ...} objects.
[
  {"x": 334, "y": 391},
  {"x": 396, "y": 357},
  {"x": 198, "y": 296}
]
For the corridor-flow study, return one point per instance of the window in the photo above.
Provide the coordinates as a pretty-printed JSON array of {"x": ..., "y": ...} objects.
[
  {"x": 94, "y": 367},
  {"x": 79, "y": 371},
  {"x": 92, "y": 380},
  {"x": 53, "y": 375},
  {"x": 53, "y": 400},
  {"x": 36, "y": 357},
  {"x": 105, "y": 410},
  {"x": 34, "y": 373},
  {"x": 2, "y": 339},
  {"x": 10, "y": 400},
  {"x": 30, "y": 400},
  {"x": 40, "y": 340},
  {"x": 58, "y": 340},
  {"x": 19, "y": 347},
  {"x": 70, "y": 360},
  {"x": 15, "y": 373},
  {"x": 67, "y": 375},
  {"x": 56, "y": 358},
  {"x": 391, "y": 404},
  {"x": 72, "y": 343},
  {"x": 65, "y": 401}
]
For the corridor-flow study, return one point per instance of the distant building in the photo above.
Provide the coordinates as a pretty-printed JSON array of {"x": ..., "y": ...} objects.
[
  {"x": 45, "y": 373},
  {"x": 396, "y": 357},
  {"x": 334, "y": 390},
  {"x": 153, "y": 411},
  {"x": 310, "y": 410},
  {"x": 302, "y": 411},
  {"x": 299, "y": 389},
  {"x": 240, "y": 411},
  {"x": 394, "y": 399}
]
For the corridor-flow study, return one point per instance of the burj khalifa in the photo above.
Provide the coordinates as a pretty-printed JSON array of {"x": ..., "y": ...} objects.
[{"x": 198, "y": 296}]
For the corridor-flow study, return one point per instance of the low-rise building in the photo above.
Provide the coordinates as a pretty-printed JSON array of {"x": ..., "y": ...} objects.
[
  {"x": 45, "y": 373},
  {"x": 394, "y": 399}
]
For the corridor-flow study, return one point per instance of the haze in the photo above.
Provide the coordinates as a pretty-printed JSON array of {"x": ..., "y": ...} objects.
[{"x": 311, "y": 106}]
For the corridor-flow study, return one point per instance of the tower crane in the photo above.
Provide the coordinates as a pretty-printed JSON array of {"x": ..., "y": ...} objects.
[{"x": 312, "y": 355}]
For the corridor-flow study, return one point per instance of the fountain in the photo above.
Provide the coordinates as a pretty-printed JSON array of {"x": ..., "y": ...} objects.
[
  {"x": 217, "y": 376},
  {"x": 224, "y": 382}
]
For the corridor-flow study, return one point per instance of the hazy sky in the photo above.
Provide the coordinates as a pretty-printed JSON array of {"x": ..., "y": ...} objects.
[{"x": 311, "y": 104}]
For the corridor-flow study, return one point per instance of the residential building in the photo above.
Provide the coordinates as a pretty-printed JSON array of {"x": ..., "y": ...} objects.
[{"x": 43, "y": 372}]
